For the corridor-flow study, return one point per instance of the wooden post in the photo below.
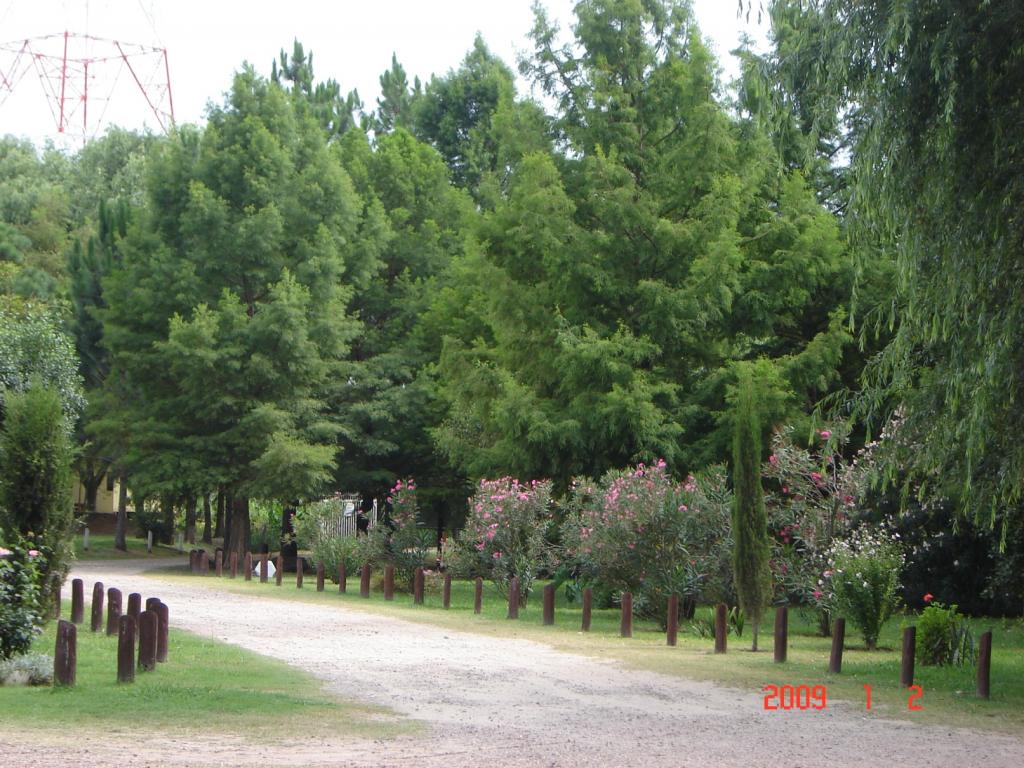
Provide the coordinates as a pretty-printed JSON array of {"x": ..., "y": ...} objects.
[
  {"x": 126, "y": 649},
  {"x": 835, "y": 659},
  {"x": 907, "y": 664},
  {"x": 152, "y": 603},
  {"x": 672, "y": 628},
  {"x": 364, "y": 581},
  {"x": 65, "y": 657},
  {"x": 446, "y": 595},
  {"x": 113, "y": 610},
  {"x": 247, "y": 564},
  {"x": 162, "y": 631},
  {"x": 300, "y": 571},
  {"x": 478, "y": 595},
  {"x": 96, "y": 614},
  {"x": 135, "y": 607},
  {"x": 264, "y": 570},
  {"x": 513, "y": 598},
  {"x": 148, "y": 625},
  {"x": 319, "y": 577},
  {"x": 218, "y": 563},
  {"x": 77, "y": 601},
  {"x": 279, "y": 565},
  {"x": 204, "y": 563},
  {"x": 781, "y": 633},
  {"x": 549, "y": 604},
  {"x": 588, "y": 603},
  {"x": 342, "y": 578},
  {"x": 721, "y": 628},
  {"x": 984, "y": 664},
  {"x": 233, "y": 564},
  {"x": 626, "y": 622},
  {"x": 417, "y": 587},
  {"x": 389, "y": 582}
]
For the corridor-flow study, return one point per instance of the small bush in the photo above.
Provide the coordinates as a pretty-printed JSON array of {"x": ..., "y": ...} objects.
[
  {"x": 29, "y": 669},
  {"x": 20, "y": 617},
  {"x": 314, "y": 530},
  {"x": 943, "y": 637}
]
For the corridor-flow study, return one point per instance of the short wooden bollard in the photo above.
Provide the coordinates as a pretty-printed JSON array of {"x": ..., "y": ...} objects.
[
  {"x": 721, "y": 628},
  {"x": 148, "y": 626},
  {"x": 446, "y": 593},
  {"x": 77, "y": 601},
  {"x": 389, "y": 582},
  {"x": 781, "y": 633},
  {"x": 135, "y": 606},
  {"x": 588, "y": 605},
  {"x": 279, "y": 565},
  {"x": 218, "y": 563},
  {"x": 96, "y": 614},
  {"x": 549, "y": 604},
  {"x": 204, "y": 563},
  {"x": 162, "y": 631},
  {"x": 152, "y": 603},
  {"x": 113, "y": 610},
  {"x": 478, "y": 595},
  {"x": 907, "y": 664},
  {"x": 65, "y": 657},
  {"x": 672, "y": 628},
  {"x": 417, "y": 587},
  {"x": 626, "y": 622},
  {"x": 264, "y": 569},
  {"x": 248, "y": 566},
  {"x": 300, "y": 572},
  {"x": 835, "y": 659},
  {"x": 984, "y": 664},
  {"x": 513, "y": 599},
  {"x": 319, "y": 577},
  {"x": 233, "y": 565},
  {"x": 364, "y": 581},
  {"x": 126, "y": 649},
  {"x": 342, "y": 578}
]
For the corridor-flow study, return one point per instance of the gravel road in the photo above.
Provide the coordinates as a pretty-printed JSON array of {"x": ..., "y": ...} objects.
[{"x": 489, "y": 701}]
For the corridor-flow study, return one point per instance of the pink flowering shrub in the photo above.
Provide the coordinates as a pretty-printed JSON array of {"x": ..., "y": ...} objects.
[
  {"x": 504, "y": 533},
  {"x": 401, "y": 539},
  {"x": 640, "y": 531}
]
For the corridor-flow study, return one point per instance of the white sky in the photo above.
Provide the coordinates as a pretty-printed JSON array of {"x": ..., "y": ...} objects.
[{"x": 207, "y": 40}]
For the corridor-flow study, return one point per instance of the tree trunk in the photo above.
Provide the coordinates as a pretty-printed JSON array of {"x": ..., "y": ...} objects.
[
  {"x": 207, "y": 523},
  {"x": 190, "y": 518},
  {"x": 238, "y": 528},
  {"x": 218, "y": 528},
  {"x": 167, "y": 507},
  {"x": 121, "y": 523},
  {"x": 754, "y": 646}
]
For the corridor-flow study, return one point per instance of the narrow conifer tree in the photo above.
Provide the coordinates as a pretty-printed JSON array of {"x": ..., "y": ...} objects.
[{"x": 749, "y": 522}]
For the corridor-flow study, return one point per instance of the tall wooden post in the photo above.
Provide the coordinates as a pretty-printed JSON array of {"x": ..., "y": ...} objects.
[
  {"x": 279, "y": 567},
  {"x": 264, "y": 570},
  {"x": 77, "y": 601},
  {"x": 389, "y": 582},
  {"x": 113, "y": 610},
  {"x": 148, "y": 630},
  {"x": 96, "y": 614},
  {"x": 364, "y": 581},
  {"x": 781, "y": 633},
  {"x": 907, "y": 663},
  {"x": 446, "y": 593},
  {"x": 549, "y": 604},
  {"x": 721, "y": 628},
  {"x": 626, "y": 622},
  {"x": 162, "y": 630},
  {"x": 588, "y": 604},
  {"x": 319, "y": 577},
  {"x": 300, "y": 571},
  {"x": 126, "y": 649},
  {"x": 248, "y": 566},
  {"x": 835, "y": 659},
  {"x": 478, "y": 595},
  {"x": 672, "y": 628},
  {"x": 342, "y": 577},
  {"x": 513, "y": 598},
  {"x": 135, "y": 606},
  {"x": 65, "y": 657},
  {"x": 417, "y": 587},
  {"x": 233, "y": 565},
  {"x": 984, "y": 664}
]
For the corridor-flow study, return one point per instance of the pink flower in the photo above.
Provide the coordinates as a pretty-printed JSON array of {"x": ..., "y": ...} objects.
[
  {"x": 773, "y": 459},
  {"x": 826, "y": 434},
  {"x": 817, "y": 594},
  {"x": 929, "y": 597},
  {"x": 33, "y": 553},
  {"x": 4, "y": 552}
]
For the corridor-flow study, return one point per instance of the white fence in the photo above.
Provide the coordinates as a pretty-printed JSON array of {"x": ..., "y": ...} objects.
[{"x": 343, "y": 523}]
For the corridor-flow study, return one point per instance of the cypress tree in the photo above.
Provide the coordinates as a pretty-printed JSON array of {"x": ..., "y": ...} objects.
[{"x": 749, "y": 522}]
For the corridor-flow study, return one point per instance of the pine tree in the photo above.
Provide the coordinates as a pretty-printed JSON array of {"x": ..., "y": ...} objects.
[{"x": 749, "y": 522}]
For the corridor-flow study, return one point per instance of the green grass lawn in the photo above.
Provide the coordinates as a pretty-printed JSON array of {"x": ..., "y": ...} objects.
[
  {"x": 205, "y": 686},
  {"x": 948, "y": 698},
  {"x": 101, "y": 547}
]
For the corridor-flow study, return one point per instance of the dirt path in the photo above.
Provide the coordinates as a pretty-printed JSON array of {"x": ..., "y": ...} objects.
[{"x": 488, "y": 701}]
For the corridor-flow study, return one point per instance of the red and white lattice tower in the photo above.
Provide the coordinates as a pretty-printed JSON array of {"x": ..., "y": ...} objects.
[{"x": 80, "y": 75}]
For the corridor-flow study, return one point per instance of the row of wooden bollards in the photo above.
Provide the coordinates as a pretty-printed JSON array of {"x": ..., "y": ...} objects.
[{"x": 145, "y": 630}]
